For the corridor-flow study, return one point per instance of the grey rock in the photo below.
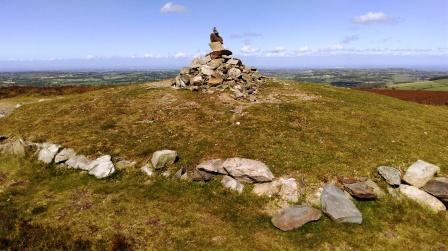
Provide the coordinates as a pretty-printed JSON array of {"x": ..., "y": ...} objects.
[
  {"x": 294, "y": 217},
  {"x": 423, "y": 198},
  {"x": 181, "y": 174},
  {"x": 376, "y": 189},
  {"x": 247, "y": 170},
  {"x": 390, "y": 174},
  {"x": 212, "y": 166},
  {"x": 125, "y": 164},
  {"x": 233, "y": 61},
  {"x": 102, "y": 167},
  {"x": 338, "y": 207},
  {"x": 206, "y": 70},
  {"x": 78, "y": 162},
  {"x": 146, "y": 169},
  {"x": 197, "y": 80},
  {"x": 64, "y": 155},
  {"x": 180, "y": 82},
  {"x": 360, "y": 190},
  {"x": 15, "y": 147},
  {"x": 216, "y": 46},
  {"x": 419, "y": 173},
  {"x": 232, "y": 184},
  {"x": 267, "y": 189},
  {"x": 199, "y": 175},
  {"x": 234, "y": 73},
  {"x": 438, "y": 187},
  {"x": 162, "y": 158},
  {"x": 215, "y": 63},
  {"x": 288, "y": 190},
  {"x": 47, "y": 152}
]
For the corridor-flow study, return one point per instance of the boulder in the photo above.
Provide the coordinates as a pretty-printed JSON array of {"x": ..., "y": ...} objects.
[
  {"x": 288, "y": 190},
  {"x": 102, "y": 167},
  {"x": 360, "y": 190},
  {"x": 64, "y": 155},
  {"x": 47, "y": 152},
  {"x": 215, "y": 81},
  {"x": 422, "y": 198},
  {"x": 215, "y": 63},
  {"x": 232, "y": 184},
  {"x": 438, "y": 187},
  {"x": 267, "y": 189},
  {"x": 146, "y": 169},
  {"x": 162, "y": 158},
  {"x": 390, "y": 174},
  {"x": 197, "y": 80},
  {"x": 338, "y": 207},
  {"x": 234, "y": 61},
  {"x": 16, "y": 147},
  {"x": 199, "y": 175},
  {"x": 78, "y": 162},
  {"x": 247, "y": 170},
  {"x": 294, "y": 217},
  {"x": 212, "y": 166},
  {"x": 419, "y": 173},
  {"x": 234, "y": 73}
]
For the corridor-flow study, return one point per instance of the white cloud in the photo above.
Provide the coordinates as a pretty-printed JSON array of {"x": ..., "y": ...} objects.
[
  {"x": 180, "y": 55},
  {"x": 247, "y": 49},
  {"x": 171, "y": 7},
  {"x": 372, "y": 17}
]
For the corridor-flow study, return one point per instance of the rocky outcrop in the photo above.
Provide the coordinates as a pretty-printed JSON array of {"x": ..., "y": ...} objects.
[
  {"x": 294, "y": 217},
  {"x": 338, "y": 207},
  {"x": 422, "y": 198},
  {"x": 162, "y": 158},
  {"x": 390, "y": 174},
  {"x": 247, "y": 170},
  {"x": 102, "y": 167},
  {"x": 419, "y": 173}
]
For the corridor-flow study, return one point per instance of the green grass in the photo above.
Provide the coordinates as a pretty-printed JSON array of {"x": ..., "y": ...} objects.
[
  {"x": 435, "y": 85},
  {"x": 336, "y": 132}
]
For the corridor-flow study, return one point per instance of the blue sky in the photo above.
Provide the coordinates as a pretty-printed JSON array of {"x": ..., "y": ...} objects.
[{"x": 153, "y": 33}]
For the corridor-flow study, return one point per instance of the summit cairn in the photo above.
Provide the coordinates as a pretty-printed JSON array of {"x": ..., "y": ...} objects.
[{"x": 219, "y": 71}]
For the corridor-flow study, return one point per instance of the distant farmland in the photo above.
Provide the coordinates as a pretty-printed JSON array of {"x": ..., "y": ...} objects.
[
  {"x": 437, "y": 84},
  {"x": 422, "y": 97}
]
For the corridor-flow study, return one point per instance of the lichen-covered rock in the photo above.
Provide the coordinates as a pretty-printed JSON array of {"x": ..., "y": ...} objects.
[
  {"x": 419, "y": 173},
  {"x": 102, "y": 167},
  {"x": 162, "y": 158}
]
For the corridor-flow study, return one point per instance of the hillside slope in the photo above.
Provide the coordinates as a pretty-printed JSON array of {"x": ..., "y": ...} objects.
[{"x": 316, "y": 132}]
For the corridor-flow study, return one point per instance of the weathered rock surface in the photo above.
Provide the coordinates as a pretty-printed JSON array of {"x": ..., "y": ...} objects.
[
  {"x": 288, "y": 190},
  {"x": 294, "y": 217},
  {"x": 14, "y": 147},
  {"x": 376, "y": 189},
  {"x": 102, "y": 167},
  {"x": 181, "y": 174},
  {"x": 267, "y": 189},
  {"x": 438, "y": 187},
  {"x": 146, "y": 169},
  {"x": 162, "y": 158},
  {"x": 232, "y": 184},
  {"x": 390, "y": 174},
  {"x": 419, "y": 173},
  {"x": 78, "y": 162},
  {"x": 47, "y": 152},
  {"x": 422, "y": 198},
  {"x": 125, "y": 164},
  {"x": 247, "y": 170},
  {"x": 360, "y": 190},
  {"x": 212, "y": 166},
  {"x": 199, "y": 175},
  {"x": 64, "y": 155},
  {"x": 338, "y": 207}
]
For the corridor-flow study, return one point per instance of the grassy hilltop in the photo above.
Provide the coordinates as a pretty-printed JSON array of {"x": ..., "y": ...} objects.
[{"x": 316, "y": 132}]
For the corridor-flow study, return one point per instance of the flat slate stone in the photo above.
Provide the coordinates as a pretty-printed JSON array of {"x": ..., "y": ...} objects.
[
  {"x": 438, "y": 187},
  {"x": 390, "y": 174},
  {"x": 422, "y": 197},
  {"x": 338, "y": 207},
  {"x": 419, "y": 173},
  {"x": 294, "y": 217}
]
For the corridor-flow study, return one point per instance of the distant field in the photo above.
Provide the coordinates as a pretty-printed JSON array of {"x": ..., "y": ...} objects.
[
  {"x": 434, "y": 85},
  {"x": 432, "y": 97}
]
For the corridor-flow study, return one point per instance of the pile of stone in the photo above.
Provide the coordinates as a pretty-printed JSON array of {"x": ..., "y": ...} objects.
[{"x": 220, "y": 71}]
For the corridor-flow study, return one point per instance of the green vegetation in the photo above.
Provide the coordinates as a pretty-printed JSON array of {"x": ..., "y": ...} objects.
[
  {"x": 429, "y": 85},
  {"x": 311, "y": 131}
]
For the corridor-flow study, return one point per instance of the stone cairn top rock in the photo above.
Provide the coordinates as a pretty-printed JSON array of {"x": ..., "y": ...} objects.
[{"x": 219, "y": 71}]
